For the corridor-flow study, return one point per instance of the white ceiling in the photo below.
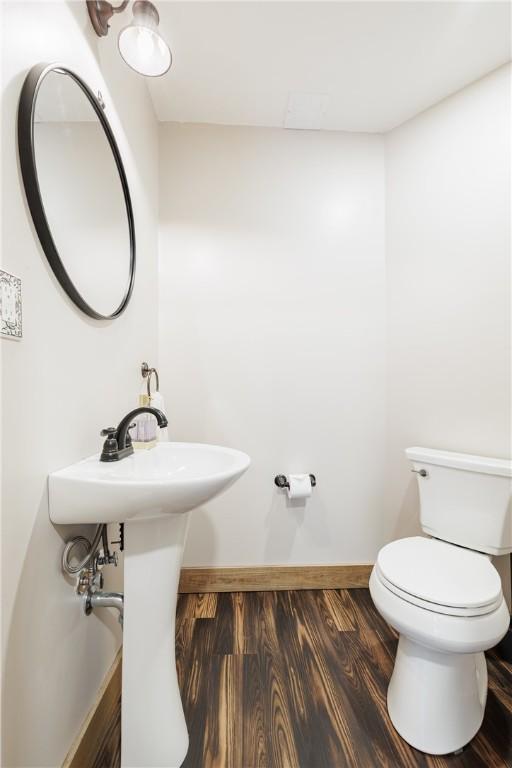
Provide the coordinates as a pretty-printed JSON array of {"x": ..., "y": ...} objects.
[{"x": 351, "y": 66}]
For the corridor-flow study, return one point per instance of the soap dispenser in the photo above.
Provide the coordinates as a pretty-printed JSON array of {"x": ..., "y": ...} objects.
[{"x": 143, "y": 433}]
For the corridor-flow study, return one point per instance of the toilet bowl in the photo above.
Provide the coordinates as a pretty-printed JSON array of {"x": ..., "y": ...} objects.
[
  {"x": 438, "y": 690},
  {"x": 444, "y": 598}
]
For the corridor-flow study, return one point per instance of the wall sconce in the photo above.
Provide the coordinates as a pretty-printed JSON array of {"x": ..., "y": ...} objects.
[{"x": 140, "y": 43}]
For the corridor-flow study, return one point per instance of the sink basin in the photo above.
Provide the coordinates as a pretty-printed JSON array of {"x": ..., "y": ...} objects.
[
  {"x": 172, "y": 477},
  {"x": 152, "y": 492}
]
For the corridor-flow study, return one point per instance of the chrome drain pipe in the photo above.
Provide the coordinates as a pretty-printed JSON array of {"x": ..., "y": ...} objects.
[{"x": 105, "y": 600}]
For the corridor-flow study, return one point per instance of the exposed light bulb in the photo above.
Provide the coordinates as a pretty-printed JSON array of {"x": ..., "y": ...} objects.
[
  {"x": 140, "y": 43},
  {"x": 145, "y": 43}
]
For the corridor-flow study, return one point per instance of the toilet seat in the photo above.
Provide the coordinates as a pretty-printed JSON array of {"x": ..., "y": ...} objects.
[
  {"x": 447, "y": 610},
  {"x": 440, "y": 577}
]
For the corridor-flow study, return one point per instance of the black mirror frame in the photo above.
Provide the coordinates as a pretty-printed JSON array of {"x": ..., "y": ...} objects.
[{"x": 26, "y": 152}]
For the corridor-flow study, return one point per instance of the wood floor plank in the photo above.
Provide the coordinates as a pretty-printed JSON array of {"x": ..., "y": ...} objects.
[
  {"x": 500, "y": 672},
  {"x": 194, "y": 688},
  {"x": 503, "y": 696},
  {"x": 298, "y": 679},
  {"x": 182, "y": 608},
  {"x": 356, "y": 675},
  {"x": 184, "y": 636},
  {"x": 206, "y": 606},
  {"x": 376, "y": 636},
  {"x": 109, "y": 753},
  {"x": 281, "y": 745},
  {"x": 244, "y": 622},
  {"x": 222, "y": 738},
  {"x": 493, "y": 743},
  {"x": 321, "y": 718},
  {"x": 337, "y": 702},
  {"x": 304, "y": 706},
  {"x": 224, "y": 635},
  {"x": 254, "y": 724},
  {"x": 341, "y": 613},
  {"x": 200, "y": 606}
]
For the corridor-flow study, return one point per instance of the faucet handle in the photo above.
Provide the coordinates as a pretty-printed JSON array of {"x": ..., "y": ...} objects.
[{"x": 110, "y": 447}]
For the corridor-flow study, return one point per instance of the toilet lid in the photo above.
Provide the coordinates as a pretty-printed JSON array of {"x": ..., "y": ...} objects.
[{"x": 440, "y": 573}]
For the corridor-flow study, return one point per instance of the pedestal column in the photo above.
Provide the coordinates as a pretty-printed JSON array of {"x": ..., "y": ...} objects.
[{"x": 153, "y": 729}]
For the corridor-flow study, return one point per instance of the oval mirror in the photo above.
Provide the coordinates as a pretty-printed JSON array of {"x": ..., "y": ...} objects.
[{"x": 77, "y": 190}]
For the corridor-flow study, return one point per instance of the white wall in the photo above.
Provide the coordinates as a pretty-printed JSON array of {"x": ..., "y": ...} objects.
[
  {"x": 274, "y": 299},
  {"x": 69, "y": 377},
  {"x": 448, "y": 284},
  {"x": 272, "y": 340}
]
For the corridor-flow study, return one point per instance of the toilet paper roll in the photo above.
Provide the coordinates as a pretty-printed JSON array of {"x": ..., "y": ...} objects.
[{"x": 300, "y": 486}]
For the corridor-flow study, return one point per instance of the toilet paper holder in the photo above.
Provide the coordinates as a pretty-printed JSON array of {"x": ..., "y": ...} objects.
[{"x": 282, "y": 481}]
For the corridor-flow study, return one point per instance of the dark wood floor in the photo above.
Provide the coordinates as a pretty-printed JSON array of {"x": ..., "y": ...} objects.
[{"x": 298, "y": 680}]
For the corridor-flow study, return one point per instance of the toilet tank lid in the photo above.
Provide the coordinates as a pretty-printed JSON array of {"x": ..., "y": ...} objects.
[{"x": 483, "y": 464}]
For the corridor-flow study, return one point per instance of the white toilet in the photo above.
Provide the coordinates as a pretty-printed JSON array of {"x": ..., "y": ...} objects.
[{"x": 443, "y": 596}]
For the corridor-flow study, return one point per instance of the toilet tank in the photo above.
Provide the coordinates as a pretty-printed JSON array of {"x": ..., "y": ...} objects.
[{"x": 465, "y": 499}]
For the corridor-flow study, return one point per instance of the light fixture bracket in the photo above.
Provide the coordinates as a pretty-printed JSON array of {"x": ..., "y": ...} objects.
[
  {"x": 100, "y": 13},
  {"x": 140, "y": 43}
]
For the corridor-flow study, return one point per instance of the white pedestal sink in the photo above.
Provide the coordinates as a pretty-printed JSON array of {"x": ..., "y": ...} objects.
[{"x": 151, "y": 492}]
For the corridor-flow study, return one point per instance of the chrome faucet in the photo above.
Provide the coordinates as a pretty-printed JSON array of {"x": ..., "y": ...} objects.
[
  {"x": 104, "y": 600},
  {"x": 118, "y": 444}
]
